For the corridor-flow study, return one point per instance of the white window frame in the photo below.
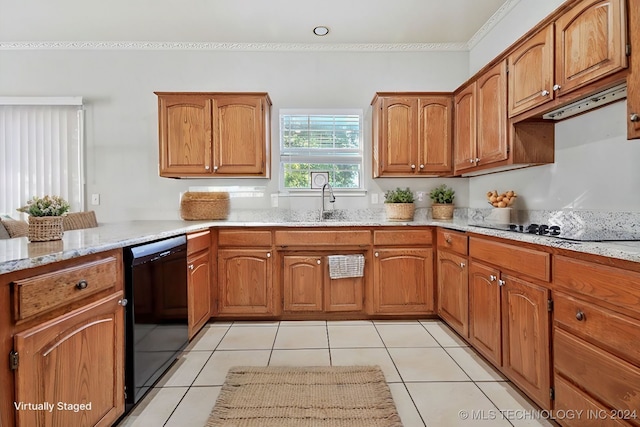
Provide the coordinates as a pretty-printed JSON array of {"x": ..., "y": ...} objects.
[{"x": 304, "y": 156}]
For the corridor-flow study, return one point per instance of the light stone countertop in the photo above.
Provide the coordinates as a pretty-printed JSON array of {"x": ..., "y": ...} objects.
[{"x": 19, "y": 253}]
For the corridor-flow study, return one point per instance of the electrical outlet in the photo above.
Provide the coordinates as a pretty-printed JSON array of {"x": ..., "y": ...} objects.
[
  {"x": 95, "y": 199},
  {"x": 374, "y": 199},
  {"x": 274, "y": 200}
]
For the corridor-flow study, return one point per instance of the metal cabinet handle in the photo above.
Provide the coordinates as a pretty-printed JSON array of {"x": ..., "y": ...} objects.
[
  {"x": 463, "y": 265},
  {"x": 123, "y": 302},
  {"x": 215, "y": 168},
  {"x": 477, "y": 159},
  {"x": 634, "y": 117},
  {"x": 421, "y": 166},
  {"x": 544, "y": 93},
  {"x": 268, "y": 254},
  {"x": 413, "y": 166},
  {"x": 501, "y": 282},
  {"x": 318, "y": 262},
  {"x": 207, "y": 168},
  {"x": 556, "y": 87},
  {"x": 492, "y": 278},
  {"x": 82, "y": 284},
  {"x": 377, "y": 254},
  {"x": 448, "y": 240},
  {"x": 580, "y": 316},
  {"x": 190, "y": 266}
]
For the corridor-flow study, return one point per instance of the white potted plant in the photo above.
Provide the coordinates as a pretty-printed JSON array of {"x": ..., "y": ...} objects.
[{"x": 45, "y": 218}]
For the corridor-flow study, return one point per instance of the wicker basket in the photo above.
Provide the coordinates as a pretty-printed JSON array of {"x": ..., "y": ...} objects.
[
  {"x": 442, "y": 210},
  {"x": 45, "y": 228},
  {"x": 399, "y": 211},
  {"x": 203, "y": 205}
]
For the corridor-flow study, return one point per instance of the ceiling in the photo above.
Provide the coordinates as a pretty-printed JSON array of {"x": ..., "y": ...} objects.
[{"x": 433, "y": 22}]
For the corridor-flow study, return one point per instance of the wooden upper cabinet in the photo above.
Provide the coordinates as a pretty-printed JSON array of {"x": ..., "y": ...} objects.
[
  {"x": 492, "y": 115},
  {"x": 412, "y": 134},
  {"x": 185, "y": 134},
  {"x": 214, "y": 134},
  {"x": 531, "y": 72},
  {"x": 633, "y": 80},
  {"x": 464, "y": 144},
  {"x": 590, "y": 43}
]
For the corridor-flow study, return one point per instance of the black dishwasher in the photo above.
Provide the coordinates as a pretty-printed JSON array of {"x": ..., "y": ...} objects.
[{"x": 156, "y": 316}]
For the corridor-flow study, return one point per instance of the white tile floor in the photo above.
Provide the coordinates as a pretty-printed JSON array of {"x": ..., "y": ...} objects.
[{"x": 432, "y": 373}]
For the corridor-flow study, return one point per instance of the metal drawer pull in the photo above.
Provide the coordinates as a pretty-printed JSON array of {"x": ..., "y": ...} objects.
[
  {"x": 448, "y": 240},
  {"x": 82, "y": 284},
  {"x": 190, "y": 266},
  {"x": 492, "y": 278},
  {"x": 501, "y": 282},
  {"x": 634, "y": 117},
  {"x": 462, "y": 265},
  {"x": 318, "y": 262},
  {"x": 268, "y": 254},
  {"x": 377, "y": 254},
  {"x": 580, "y": 316},
  {"x": 544, "y": 93},
  {"x": 123, "y": 302}
]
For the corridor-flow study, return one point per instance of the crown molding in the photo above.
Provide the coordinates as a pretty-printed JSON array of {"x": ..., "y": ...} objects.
[
  {"x": 491, "y": 22},
  {"x": 244, "y": 47}
]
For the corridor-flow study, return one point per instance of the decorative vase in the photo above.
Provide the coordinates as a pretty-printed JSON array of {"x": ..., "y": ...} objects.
[
  {"x": 45, "y": 228},
  {"x": 399, "y": 211},
  {"x": 442, "y": 210}
]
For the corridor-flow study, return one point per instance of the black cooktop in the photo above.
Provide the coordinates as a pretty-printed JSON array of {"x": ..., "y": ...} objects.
[{"x": 583, "y": 234}]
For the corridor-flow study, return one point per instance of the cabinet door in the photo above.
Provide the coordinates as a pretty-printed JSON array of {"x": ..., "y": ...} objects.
[
  {"x": 434, "y": 134},
  {"x": 199, "y": 291},
  {"x": 525, "y": 331},
  {"x": 590, "y": 43},
  {"x": 453, "y": 291},
  {"x": 185, "y": 135},
  {"x": 633, "y": 79},
  {"x": 77, "y": 358},
  {"x": 303, "y": 280},
  {"x": 531, "y": 73},
  {"x": 403, "y": 281},
  {"x": 397, "y": 150},
  {"x": 464, "y": 134},
  {"x": 239, "y": 146},
  {"x": 245, "y": 282},
  {"x": 492, "y": 115},
  {"x": 484, "y": 311}
]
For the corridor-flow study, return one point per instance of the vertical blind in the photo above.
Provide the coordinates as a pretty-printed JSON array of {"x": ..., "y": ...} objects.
[{"x": 41, "y": 151}]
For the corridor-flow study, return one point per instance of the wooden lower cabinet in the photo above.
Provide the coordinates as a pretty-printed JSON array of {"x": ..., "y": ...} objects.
[
  {"x": 74, "y": 359},
  {"x": 245, "y": 283},
  {"x": 525, "y": 337},
  {"x": 485, "y": 311},
  {"x": 453, "y": 291},
  {"x": 403, "y": 281},
  {"x": 198, "y": 281}
]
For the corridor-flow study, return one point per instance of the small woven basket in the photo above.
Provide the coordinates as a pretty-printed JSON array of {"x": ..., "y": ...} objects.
[
  {"x": 442, "y": 210},
  {"x": 45, "y": 228},
  {"x": 399, "y": 211},
  {"x": 204, "y": 205}
]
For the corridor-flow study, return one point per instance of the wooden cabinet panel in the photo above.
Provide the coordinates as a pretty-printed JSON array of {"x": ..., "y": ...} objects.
[
  {"x": 322, "y": 238},
  {"x": 633, "y": 79},
  {"x": 607, "y": 378},
  {"x": 199, "y": 291},
  {"x": 531, "y": 72},
  {"x": 343, "y": 294},
  {"x": 491, "y": 116},
  {"x": 590, "y": 43},
  {"x": 303, "y": 283},
  {"x": 453, "y": 241},
  {"x": 525, "y": 330},
  {"x": 245, "y": 284},
  {"x": 525, "y": 261},
  {"x": 485, "y": 311},
  {"x": 435, "y": 138},
  {"x": 185, "y": 125},
  {"x": 77, "y": 358},
  {"x": 464, "y": 133},
  {"x": 403, "y": 281},
  {"x": 244, "y": 238},
  {"x": 403, "y": 237},
  {"x": 453, "y": 291}
]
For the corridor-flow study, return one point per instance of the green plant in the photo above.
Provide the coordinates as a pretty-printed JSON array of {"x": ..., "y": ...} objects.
[
  {"x": 442, "y": 194},
  {"x": 398, "y": 195},
  {"x": 46, "y": 206}
]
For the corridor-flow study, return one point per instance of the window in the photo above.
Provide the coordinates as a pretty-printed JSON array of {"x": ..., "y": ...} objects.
[
  {"x": 321, "y": 141},
  {"x": 40, "y": 151}
]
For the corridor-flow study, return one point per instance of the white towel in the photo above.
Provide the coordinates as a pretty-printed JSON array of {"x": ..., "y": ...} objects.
[{"x": 342, "y": 266}]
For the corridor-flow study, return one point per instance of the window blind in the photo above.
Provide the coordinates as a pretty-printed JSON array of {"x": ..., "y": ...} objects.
[{"x": 41, "y": 151}]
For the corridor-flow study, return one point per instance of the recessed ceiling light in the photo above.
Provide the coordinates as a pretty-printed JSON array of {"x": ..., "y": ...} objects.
[{"x": 321, "y": 31}]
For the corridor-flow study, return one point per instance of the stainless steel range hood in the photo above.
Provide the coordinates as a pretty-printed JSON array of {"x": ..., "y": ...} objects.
[{"x": 599, "y": 99}]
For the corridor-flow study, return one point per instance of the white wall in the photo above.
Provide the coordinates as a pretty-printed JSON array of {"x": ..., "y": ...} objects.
[
  {"x": 122, "y": 142},
  {"x": 595, "y": 167}
]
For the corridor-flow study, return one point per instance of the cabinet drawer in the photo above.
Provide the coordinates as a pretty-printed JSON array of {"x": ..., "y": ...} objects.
[
  {"x": 244, "y": 238},
  {"x": 611, "y": 380},
  {"x": 618, "y": 333},
  {"x": 526, "y": 261},
  {"x": 319, "y": 238},
  {"x": 613, "y": 285},
  {"x": 402, "y": 237},
  {"x": 197, "y": 242},
  {"x": 45, "y": 292},
  {"x": 453, "y": 241}
]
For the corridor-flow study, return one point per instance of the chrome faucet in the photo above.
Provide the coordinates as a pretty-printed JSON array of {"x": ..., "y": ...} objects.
[{"x": 332, "y": 199}]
